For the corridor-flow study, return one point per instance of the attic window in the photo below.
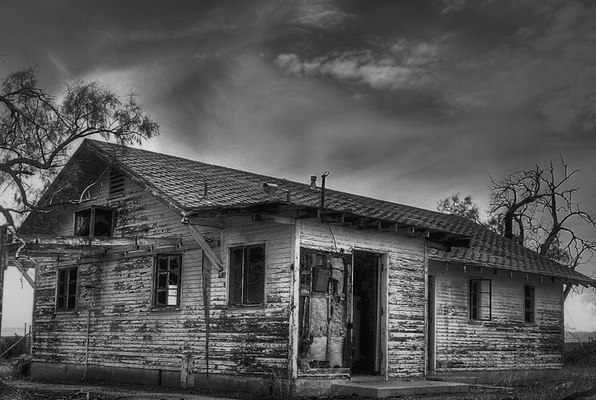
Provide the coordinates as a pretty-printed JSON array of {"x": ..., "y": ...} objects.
[
  {"x": 94, "y": 221},
  {"x": 116, "y": 183}
]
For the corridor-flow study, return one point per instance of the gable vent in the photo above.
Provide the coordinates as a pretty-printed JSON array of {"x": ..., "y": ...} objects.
[{"x": 116, "y": 183}]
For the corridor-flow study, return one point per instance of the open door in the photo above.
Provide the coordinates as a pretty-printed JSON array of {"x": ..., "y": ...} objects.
[{"x": 366, "y": 313}]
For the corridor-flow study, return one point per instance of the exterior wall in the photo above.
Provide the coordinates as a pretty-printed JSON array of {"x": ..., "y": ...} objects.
[
  {"x": 504, "y": 342},
  {"x": 114, "y": 312},
  {"x": 114, "y": 298},
  {"x": 253, "y": 340},
  {"x": 404, "y": 333}
]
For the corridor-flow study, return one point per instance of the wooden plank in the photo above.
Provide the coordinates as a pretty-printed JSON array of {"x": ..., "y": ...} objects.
[
  {"x": 294, "y": 299},
  {"x": 214, "y": 258},
  {"x": 34, "y": 241}
]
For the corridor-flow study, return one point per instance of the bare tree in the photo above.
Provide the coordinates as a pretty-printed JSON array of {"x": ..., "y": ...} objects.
[
  {"x": 36, "y": 132},
  {"x": 537, "y": 208}
]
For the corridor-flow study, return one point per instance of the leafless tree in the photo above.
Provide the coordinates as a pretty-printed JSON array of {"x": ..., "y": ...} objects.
[{"x": 537, "y": 208}]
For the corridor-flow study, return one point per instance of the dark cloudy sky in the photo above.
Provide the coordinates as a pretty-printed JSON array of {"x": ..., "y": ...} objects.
[{"x": 408, "y": 101}]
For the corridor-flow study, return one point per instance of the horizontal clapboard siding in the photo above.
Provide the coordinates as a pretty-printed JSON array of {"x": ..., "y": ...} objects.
[
  {"x": 115, "y": 299},
  {"x": 506, "y": 341}
]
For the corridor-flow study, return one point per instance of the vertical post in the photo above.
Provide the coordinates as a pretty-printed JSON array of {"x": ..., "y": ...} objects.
[
  {"x": 294, "y": 304},
  {"x": 3, "y": 265}
]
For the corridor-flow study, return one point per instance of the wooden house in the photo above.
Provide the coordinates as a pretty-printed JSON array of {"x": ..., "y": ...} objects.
[{"x": 174, "y": 272}]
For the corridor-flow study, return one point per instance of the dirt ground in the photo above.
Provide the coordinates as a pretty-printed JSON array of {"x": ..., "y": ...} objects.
[
  {"x": 22, "y": 389},
  {"x": 519, "y": 385}
]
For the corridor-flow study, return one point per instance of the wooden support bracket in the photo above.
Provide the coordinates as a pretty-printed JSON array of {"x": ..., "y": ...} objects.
[
  {"x": 24, "y": 273},
  {"x": 567, "y": 290},
  {"x": 205, "y": 247}
]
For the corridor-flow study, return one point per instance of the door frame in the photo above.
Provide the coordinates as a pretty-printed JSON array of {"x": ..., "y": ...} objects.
[
  {"x": 381, "y": 334},
  {"x": 431, "y": 325}
]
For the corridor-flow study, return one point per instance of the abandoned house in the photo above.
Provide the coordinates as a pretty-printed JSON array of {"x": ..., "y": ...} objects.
[{"x": 174, "y": 272}]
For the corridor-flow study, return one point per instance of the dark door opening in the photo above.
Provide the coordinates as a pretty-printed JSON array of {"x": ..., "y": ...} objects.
[
  {"x": 366, "y": 314},
  {"x": 431, "y": 356}
]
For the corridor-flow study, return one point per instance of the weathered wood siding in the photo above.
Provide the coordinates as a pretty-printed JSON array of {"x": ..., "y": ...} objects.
[
  {"x": 115, "y": 299},
  {"x": 404, "y": 353},
  {"x": 253, "y": 340},
  {"x": 504, "y": 342}
]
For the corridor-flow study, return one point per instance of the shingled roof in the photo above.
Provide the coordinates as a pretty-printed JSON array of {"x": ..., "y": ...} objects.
[{"x": 183, "y": 183}]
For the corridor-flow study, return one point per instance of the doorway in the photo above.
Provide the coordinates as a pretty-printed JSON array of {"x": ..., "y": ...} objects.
[
  {"x": 431, "y": 326},
  {"x": 366, "y": 312}
]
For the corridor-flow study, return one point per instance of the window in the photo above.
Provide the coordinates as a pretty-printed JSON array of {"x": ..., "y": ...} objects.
[
  {"x": 94, "y": 221},
  {"x": 66, "y": 296},
  {"x": 247, "y": 275},
  {"x": 529, "y": 304},
  {"x": 480, "y": 300},
  {"x": 167, "y": 280}
]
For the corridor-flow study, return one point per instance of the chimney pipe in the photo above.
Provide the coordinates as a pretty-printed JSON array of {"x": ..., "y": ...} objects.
[
  {"x": 322, "y": 208},
  {"x": 313, "y": 182}
]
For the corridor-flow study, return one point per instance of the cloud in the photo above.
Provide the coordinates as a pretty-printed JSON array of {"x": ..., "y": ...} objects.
[
  {"x": 406, "y": 64},
  {"x": 321, "y": 14}
]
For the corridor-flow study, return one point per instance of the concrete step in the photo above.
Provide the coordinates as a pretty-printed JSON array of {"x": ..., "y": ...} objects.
[
  {"x": 381, "y": 390},
  {"x": 455, "y": 378}
]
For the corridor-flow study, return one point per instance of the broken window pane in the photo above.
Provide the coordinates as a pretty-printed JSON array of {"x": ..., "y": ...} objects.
[
  {"x": 82, "y": 223},
  {"x": 94, "y": 222},
  {"x": 103, "y": 222},
  {"x": 167, "y": 280}
]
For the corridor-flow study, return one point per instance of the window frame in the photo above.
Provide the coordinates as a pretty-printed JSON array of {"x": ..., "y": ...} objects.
[
  {"x": 92, "y": 216},
  {"x": 476, "y": 312},
  {"x": 167, "y": 272},
  {"x": 531, "y": 310},
  {"x": 66, "y": 307},
  {"x": 244, "y": 302}
]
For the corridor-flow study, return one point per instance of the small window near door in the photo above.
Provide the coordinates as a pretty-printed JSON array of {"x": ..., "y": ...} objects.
[
  {"x": 529, "y": 304},
  {"x": 66, "y": 295},
  {"x": 94, "y": 221},
  {"x": 480, "y": 299},
  {"x": 167, "y": 280},
  {"x": 247, "y": 275}
]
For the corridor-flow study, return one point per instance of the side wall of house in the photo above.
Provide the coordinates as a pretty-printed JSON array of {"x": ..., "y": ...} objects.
[
  {"x": 506, "y": 341},
  {"x": 116, "y": 331},
  {"x": 405, "y": 282},
  {"x": 252, "y": 340},
  {"x": 114, "y": 328}
]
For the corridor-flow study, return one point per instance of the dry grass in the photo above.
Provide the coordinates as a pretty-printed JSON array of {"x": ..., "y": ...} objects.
[{"x": 526, "y": 385}]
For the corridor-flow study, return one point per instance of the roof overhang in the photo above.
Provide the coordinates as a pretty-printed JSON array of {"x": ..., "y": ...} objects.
[{"x": 443, "y": 239}]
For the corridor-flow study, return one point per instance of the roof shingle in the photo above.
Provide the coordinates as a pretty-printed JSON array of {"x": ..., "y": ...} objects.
[{"x": 182, "y": 182}]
